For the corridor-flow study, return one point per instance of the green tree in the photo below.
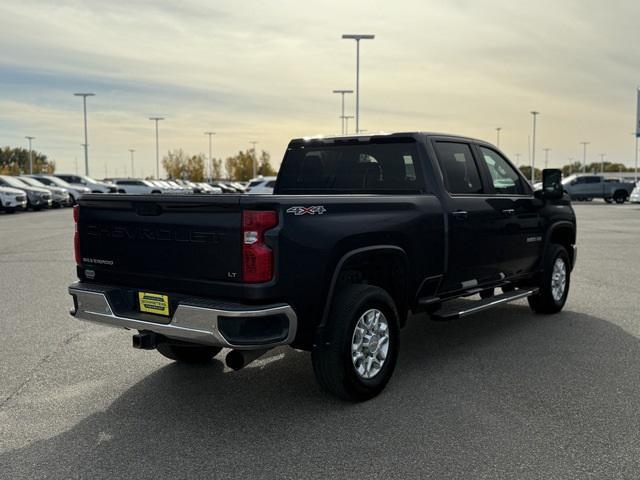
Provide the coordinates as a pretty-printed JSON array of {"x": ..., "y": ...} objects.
[
  {"x": 265, "y": 169},
  {"x": 14, "y": 161},
  {"x": 240, "y": 166},
  {"x": 526, "y": 171},
  {"x": 174, "y": 163},
  {"x": 216, "y": 168},
  {"x": 180, "y": 165}
]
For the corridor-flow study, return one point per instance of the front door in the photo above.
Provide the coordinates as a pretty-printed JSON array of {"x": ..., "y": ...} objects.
[{"x": 515, "y": 215}]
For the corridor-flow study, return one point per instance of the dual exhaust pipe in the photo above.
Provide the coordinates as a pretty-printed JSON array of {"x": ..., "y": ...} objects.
[{"x": 235, "y": 359}]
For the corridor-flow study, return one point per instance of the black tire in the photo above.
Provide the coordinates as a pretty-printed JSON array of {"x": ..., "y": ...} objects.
[
  {"x": 620, "y": 197},
  {"x": 10, "y": 210},
  {"x": 332, "y": 362},
  {"x": 196, "y": 354},
  {"x": 544, "y": 301}
]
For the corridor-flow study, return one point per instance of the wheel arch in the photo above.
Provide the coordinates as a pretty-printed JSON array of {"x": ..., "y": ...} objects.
[
  {"x": 562, "y": 233},
  {"x": 361, "y": 265}
]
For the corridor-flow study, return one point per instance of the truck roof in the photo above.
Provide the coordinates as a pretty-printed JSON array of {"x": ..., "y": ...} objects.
[{"x": 367, "y": 136}]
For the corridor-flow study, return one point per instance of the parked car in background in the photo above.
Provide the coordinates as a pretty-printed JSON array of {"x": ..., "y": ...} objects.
[
  {"x": 12, "y": 199},
  {"x": 635, "y": 194},
  {"x": 59, "y": 196},
  {"x": 37, "y": 198},
  {"x": 206, "y": 188},
  {"x": 136, "y": 186},
  {"x": 238, "y": 186},
  {"x": 84, "y": 181},
  {"x": 262, "y": 185},
  {"x": 52, "y": 181},
  {"x": 587, "y": 187},
  {"x": 226, "y": 188}
]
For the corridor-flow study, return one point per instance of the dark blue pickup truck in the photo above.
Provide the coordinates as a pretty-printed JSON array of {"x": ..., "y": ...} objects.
[{"x": 360, "y": 231}]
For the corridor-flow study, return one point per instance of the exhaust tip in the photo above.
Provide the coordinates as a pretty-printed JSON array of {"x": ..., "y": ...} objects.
[
  {"x": 238, "y": 359},
  {"x": 144, "y": 341}
]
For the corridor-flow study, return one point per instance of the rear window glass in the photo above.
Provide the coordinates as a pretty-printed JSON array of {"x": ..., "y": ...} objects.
[{"x": 352, "y": 168}]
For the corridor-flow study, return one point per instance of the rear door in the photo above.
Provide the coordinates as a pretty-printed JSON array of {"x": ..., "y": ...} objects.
[
  {"x": 515, "y": 216},
  {"x": 472, "y": 248}
]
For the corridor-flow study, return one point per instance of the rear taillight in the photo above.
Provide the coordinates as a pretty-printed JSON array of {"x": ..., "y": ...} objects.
[
  {"x": 257, "y": 258},
  {"x": 76, "y": 235}
]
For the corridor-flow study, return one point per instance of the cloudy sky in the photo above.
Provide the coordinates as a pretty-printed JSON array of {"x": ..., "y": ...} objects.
[{"x": 255, "y": 70}]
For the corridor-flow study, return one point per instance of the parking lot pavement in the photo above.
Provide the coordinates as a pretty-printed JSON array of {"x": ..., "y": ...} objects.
[{"x": 503, "y": 394}]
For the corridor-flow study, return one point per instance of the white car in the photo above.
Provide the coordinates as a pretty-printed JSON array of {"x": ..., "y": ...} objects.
[
  {"x": 137, "y": 187},
  {"x": 52, "y": 181},
  {"x": 635, "y": 194},
  {"x": 206, "y": 188},
  {"x": 84, "y": 181},
  {"x": 12, "y": 199},
  {"x": 262, "y": 185}
]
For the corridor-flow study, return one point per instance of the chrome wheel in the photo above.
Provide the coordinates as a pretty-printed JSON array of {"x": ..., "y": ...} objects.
[
  {"x": 558, "y": 279},
  {"x": 370, "y": 343}
]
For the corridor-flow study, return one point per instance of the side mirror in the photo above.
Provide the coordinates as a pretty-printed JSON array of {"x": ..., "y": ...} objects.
[{"x": 552, "y": 183}]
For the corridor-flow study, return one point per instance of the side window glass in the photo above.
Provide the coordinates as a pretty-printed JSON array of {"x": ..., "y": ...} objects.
[
  {"x": 504, "y": 177},
  {"x": 460, "y": 171}
]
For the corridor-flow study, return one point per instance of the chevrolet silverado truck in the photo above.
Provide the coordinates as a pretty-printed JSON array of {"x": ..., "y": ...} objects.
[
  {"x": 588, "y": 187},
  {"x": 360, "y": 232}
]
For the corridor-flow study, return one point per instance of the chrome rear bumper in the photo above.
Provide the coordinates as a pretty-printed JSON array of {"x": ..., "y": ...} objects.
[{"x": 190, "y": 323}]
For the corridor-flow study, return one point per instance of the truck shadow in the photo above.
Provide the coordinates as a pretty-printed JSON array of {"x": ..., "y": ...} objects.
[{"x": 488, "y": 383}]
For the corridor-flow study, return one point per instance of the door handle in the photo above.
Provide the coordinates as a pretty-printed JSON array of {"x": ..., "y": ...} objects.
[
  {"x": 508, "y": 211},
  {"x": 460, "y": 214}
]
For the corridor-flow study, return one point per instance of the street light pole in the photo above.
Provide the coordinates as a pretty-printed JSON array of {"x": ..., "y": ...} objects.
[
  {"x": 157, "y": 119},
  {"x": 255, "y": 158},
  {"x": 498, "y": 136},
  {"x": 86, "y": 136},
  {"x": 636, "y": 164},
  {"x": 533, "y": 147},
  {"x": 210, "y": 134},
  {"x": 357, "y": 38},
  {"x": 30, "y": 154},
  {"x": 342, "y": 93},
  {"x": 131, "y": 150},
  {"x": 602, "y": 155},
  {"x": 517, "y": 158},
  {"x": 346, "y": 123},
  {"x": 546, "y": 157},
  {"x": 584, "y": 156}
]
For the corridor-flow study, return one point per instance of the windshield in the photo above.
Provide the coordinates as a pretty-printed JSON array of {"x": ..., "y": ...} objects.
[
  {"x": 569, "y": 179},
  {"x": 13, "y": 181},
  {"x": 376, "y": 167},
  {"x": 55, "y": 181},
  {"x": 32, "y": 181},
  {"x": 88, "y": 179}
]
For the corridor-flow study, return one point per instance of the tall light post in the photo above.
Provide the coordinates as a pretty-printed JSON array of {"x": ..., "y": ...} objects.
[
  {"x": 255, "y": 158},
  {"x": 357, "y": 38},
  {"x": 636, "y": 158},
  {"x": 546, "y": 157},
  {"x": 210, "y": 134},
  {"x": 342, "y": 94},
  {"x": 602, "y": 155},
  {"x": 131, "y": 151},
  {"x": 584, "y": 156},
  {"x": 346, "y": 123},
  {"x": 30, "y": 154},
  {"x": 157, "y": 119},
  {"x": 517, "y": 159},
  {"x": 86, "y": 135},
  {"x": 533, "y": 147},
  {"x": 498, "y": 136}
]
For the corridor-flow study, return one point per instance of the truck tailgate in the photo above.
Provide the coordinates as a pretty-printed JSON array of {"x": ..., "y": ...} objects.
[{"x": 183, "y": 237}]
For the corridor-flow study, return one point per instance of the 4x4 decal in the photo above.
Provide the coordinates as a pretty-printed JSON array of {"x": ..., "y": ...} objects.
[{"x": 314, "y": 210}]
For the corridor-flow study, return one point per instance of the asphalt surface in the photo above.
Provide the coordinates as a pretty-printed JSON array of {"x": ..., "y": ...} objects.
[{"x": 503, "y": 394}]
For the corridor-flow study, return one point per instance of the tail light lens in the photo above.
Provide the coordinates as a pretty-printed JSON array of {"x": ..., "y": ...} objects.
[
  {"x": 257, "y": 258},
  {"x": 76, "y": 235}
]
